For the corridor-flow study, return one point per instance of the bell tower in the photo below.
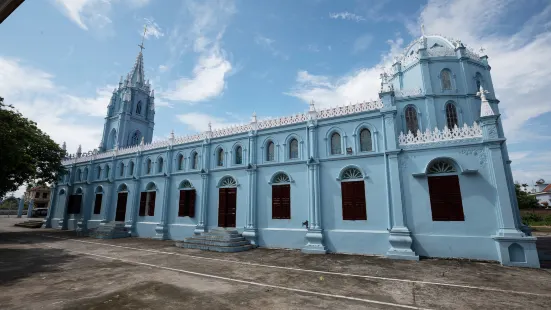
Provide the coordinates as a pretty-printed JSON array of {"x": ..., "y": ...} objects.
[{"x": 131, "y": 112}]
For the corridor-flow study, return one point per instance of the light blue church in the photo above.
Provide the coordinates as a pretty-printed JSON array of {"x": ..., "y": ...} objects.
[{"x": 422, "y": 172}]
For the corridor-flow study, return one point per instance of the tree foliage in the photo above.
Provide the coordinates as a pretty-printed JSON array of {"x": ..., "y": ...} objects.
[
  {"x": 525, "y": 200},
  {"x": 27, "y": 155}
]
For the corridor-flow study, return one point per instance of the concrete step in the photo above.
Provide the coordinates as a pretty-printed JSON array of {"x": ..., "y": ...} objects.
[
  {"x": 225, "y": 249},
  {"x": 240, "y": 242},
  {"x": 30, "y": 224},
  {"x": 110, "y": 230}
]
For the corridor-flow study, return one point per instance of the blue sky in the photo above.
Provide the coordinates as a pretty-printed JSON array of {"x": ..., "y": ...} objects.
[{"x": 219, "y": 61}]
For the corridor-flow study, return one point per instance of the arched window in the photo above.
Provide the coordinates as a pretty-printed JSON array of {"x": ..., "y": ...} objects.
[
  {"x": 148, "y": 166},
  {"x": 139, "y": 108},
  {"x": 281, "y": 196},
  {"x": 180, "y": 162},
  {"x": 194, "y": 160},
  {"x": 98, "y": 173},
  {"x": 112, "y": 139},
  {"x": 135, "y": 139},
  {"x": 446, "y": 78},
  {"x": 121, "y": 169},
  {"x": 478, "y": 80},
  {"x": 85, "y": 174},
  {"x": 220, "y": 157},
  {"x": 365, "y": 141},
  {"x": 336, "y": 144},
  {"x": 293, "y": 149},
  {"x": 131, "y": 168},
  {"x": 147, "y": 200},
  {"x": 353, "y": 194},
  {"x": 444, "y": 191},
  {"x": 75, "y": 202},
  {"x": 411, "y": 119},
  {"x": 238, "y": 155},
  {"x": 451, "y": 115},
  {"x": 160, "y": 163},
  {"x": 98, "y": 199},
  {"x": 270, "y": 152},
  {"x": 186, "y": 203},
  {"x": 107, "y": 170},
  {"x": 78, "y": 176}
]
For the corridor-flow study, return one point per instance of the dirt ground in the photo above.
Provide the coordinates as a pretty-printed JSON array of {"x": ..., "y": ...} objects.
[{"x": 51, "y": 269}]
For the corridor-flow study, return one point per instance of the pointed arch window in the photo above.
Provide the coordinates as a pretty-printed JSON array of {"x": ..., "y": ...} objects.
[
  {"x": 180, "y": 162},
  {"x": 160, "y": 163},
  {"x": 220, "y": 157},
  {"x": 78, "y": 175},
  {"x": 194, "y": 160},
  {"x": 444, "y": 191},
  {"x": 293, "y": 149},
  {"x": 270, "y": 151},
  {"x": 147, "y": 200},
  {"x": 336, "y": 148},
  {"x": 478, "y": 80},
  {"x": 107, "y": 170},
  {"x": 148, "y": 166},
  {"x": 366, "y": 144},
  {"x": 85, "y": 174},
  {"x": 412, "y": 124},
  {"x": 131, "y": 168},
  {"x": 238, "y": 155},
  {"x": 139, "y": 107},
  {"x": 121, "y": 169},
  {"x": 98, "y": 173},
  {"x": 135, "y": 139},
  {"x": 451, "y": 115},
  {"x": 446, "y": 78}
]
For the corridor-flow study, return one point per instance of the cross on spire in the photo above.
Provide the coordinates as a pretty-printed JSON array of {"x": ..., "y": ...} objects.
[
  {"x": 144, "y": 32},
  {"x": 423, "y": 30}
]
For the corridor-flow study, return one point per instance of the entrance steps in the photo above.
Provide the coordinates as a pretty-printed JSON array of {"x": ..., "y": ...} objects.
[
  {"x": 218, "y": 240},
  {"x": 30, "y": 224},
  {"x": 110, "y": 230}
]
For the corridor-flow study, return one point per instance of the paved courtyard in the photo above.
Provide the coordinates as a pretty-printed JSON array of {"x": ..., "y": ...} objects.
[{"x": 51, "y": 269}]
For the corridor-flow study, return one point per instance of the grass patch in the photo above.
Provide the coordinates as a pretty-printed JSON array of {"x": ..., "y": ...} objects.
[{"x": 534, "y": 219}]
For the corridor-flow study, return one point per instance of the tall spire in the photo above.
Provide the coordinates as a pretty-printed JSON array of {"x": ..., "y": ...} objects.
[{"x": 137, "y": 75}]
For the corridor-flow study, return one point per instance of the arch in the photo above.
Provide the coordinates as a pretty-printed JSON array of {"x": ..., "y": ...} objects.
[
  {"x": 479, "y": 81},
  {"x": 270, "y": 151},
  {"x": 148, "y": 166},
  {"x": 112, "y": 139},
  {"x": 61, "y": 192},
  {"x": 411, "y": 118},
  {"x": 335, "y": 143},
  {"x": 98, "y": 172},
  {"x": 85, "y": 178},
  {"x": 194, "y": 160},
  {"x": 131, "y": 168},
  {"x": 98, "y": 190},
  {"x": 280, "y": 177},
  {"x": 446, "y": 79},
  {"x": 443, "y": 165},
  {"x": 180, "y": 161},
  {"x": 366, "y": 142},
  {"x": 160, "y": 164},
  {"x": 78, "y": 191},
  {"x": 451, "y": 115},
  {"x": 227, "y": 181},
  {"x": 351, "y": 173},
  {"x": 107, "y": 171},
  {"x": 121, "y": 169},
  {"x": 139, "y": 107},
  {"x": 516, "y": 253},
  {"x": 151, "y": 186},
  {"x": 135, "y": 139},
  {"x": 294, "y": 149},
  {"x": 372, "y": 138},
  {"x": 185, "y": 184},
  {"x": 238, "y": 154},
  {"x": 219, "y": 153},
  {"x": 122, "y": 188},
  {"x": 78, "y": 174}
]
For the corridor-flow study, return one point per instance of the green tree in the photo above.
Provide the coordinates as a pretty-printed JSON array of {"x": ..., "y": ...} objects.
[
  {"x": 525, "y": 200},
  {"x": 27, "y": 155}
]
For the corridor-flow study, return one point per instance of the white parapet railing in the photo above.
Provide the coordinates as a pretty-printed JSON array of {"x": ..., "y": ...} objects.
[
  {"x": 444, "y": 136},
  {"x": 232, "y": 130}
]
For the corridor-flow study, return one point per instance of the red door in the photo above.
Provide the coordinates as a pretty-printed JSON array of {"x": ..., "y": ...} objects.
[
  {"x": 121, "y": 207},
  {"x": 227, "y": 199}
]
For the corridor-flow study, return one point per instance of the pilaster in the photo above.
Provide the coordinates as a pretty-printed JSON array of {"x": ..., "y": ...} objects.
[
  {"x": 20, "y": 207},
  {"x": 51, "y": 210},
  {"x": 30, "y": 209},
  {"x": 202, "y": 223},
  {"x": 161, "y": 229}
]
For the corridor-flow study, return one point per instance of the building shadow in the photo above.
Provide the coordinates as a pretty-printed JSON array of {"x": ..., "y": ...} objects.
[{"x": 544, "y": 251}]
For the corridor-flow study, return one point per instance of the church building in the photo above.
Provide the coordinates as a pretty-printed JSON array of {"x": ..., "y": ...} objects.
[{"x": 421, "y": 172}]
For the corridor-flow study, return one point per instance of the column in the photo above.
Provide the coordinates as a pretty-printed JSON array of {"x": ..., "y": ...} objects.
[
  {"x": 62, "y": 223},
  {"x": 87, "y": 200},
  {"x": 106, "y": 209},
  {"x": 202, "y": 223},
  {"x": 314, "y": 235},
  {"x": 51, "y": 210},
  {"x": 251, "y": 231},
  {"x": 30, "y": 209},
  {"x": 21, "y": 206},
  {"x": 134, "y": 196}
]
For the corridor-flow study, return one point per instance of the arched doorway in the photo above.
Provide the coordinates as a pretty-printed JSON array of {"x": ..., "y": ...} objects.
[
  {"x": 444, "y": 190},
  {"x": 122, "y": 198},
  {"x": 227, "y": 200},
  {"x": 353, "y": 194}
]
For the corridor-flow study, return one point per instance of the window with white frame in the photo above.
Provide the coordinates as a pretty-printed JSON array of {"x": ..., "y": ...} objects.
[
  {"x": 446, "y": 79},
  {"x": 293, "y": 149},
  {"x": 336, "y": 147},
  {"x": 270, "y": 151},
  {"x": 366, "y": 144}
]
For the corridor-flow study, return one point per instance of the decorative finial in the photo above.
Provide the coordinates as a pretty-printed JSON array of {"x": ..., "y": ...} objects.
[
  {"x": 482, "y": 50},
  {"x": 312, "y": 106},
  {"x": 142, "y": 142},
  {"x": 253, "y": 118},
  {"x": 64, "y": 146},
  {"x": 172, "y": 134},
  {"x": 143, "y": 38},
  {"x": 485, "y": 108},
  {"x": 210, "y": 126},
  {"x": 423, "y": 30},
  {"x": 79, "y": 149}
]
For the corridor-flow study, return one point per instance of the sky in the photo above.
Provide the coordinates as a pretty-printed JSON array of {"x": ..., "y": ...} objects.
[{"x": 220, "y": 61}]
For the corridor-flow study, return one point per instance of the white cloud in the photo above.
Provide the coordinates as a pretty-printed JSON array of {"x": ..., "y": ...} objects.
[
  {"x": 199, "y": 122},
  {"x": 153, "y": 29},
  {"x": 347, "y": 16},
  {"x": 268, "y": 44},
  {"x": 362, "y": 43},
  {"x": 202, "y": 30}
]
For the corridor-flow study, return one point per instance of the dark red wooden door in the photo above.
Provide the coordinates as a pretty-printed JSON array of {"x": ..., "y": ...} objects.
[
  {"x": 353, "y": 200},
  {"x": 121, "y": 207},
  {"x": 445, "y": 198},
  {"x": 97, "y": 204},
  {"x": 281, "y": 201},
  {"x": 227, "y": 208}
]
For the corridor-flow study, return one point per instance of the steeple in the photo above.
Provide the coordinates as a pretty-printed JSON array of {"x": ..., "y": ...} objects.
[{"x": 137, "y": 78}]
